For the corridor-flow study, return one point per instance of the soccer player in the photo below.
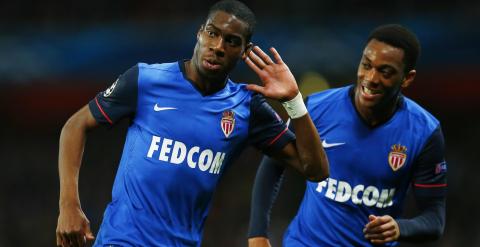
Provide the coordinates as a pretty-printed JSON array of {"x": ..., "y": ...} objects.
[
  {"x": 378, "y": 143},
  {"x": 188, "y": 122}
]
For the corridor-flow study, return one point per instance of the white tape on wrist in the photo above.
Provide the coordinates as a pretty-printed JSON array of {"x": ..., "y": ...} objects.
[{"x": 295, "y": 107}]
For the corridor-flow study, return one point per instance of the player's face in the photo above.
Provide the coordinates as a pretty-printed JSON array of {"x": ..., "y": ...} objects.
[
  {"x": 221, "y": 42},
  {"x": 381, "y": 75}
]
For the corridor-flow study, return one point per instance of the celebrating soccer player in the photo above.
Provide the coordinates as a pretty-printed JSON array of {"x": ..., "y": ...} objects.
[
  {"x": 379, "y": 143},
  {"x": 188, "y": 122}
]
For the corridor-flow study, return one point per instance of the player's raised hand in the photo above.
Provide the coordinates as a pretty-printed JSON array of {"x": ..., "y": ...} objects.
[
  {"x": 73, "y": 228},
  {"x": 381, "y": 229},
  {"x": 259, "y": 242},
  {"x": 278, "y": 82}
]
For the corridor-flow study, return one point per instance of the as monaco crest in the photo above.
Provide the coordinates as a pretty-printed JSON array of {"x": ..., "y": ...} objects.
[
  {"x": 397, "y": 157},
  {"x": 228, "y": 122}
]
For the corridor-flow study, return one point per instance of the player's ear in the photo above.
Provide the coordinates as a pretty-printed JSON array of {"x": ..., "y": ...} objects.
[
  {"x": 248, "y": 49},
  {"x": 409, "y": 77}
]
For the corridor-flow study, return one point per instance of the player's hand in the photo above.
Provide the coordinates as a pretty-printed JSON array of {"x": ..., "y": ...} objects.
[
  {"x": 381, "y": 229},
  {"x": 73, "y": 228},
  {"x": 258, "y": 242},
  {"x": 278, "y": 82}
]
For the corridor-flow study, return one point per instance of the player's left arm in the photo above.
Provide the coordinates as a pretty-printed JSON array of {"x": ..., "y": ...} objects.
[
  {"x": 429, "y": 186},
  {"x": 306, "y": 153}
]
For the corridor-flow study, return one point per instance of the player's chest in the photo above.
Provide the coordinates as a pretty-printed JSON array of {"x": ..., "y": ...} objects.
[
  {"x": 194, "y": 120},
  {"x": 382, "y": 154}
]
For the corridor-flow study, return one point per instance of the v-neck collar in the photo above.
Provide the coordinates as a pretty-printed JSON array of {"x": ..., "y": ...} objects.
[
  {"x": 181, "y": 65},
  {"x": 351, "y": 94}
]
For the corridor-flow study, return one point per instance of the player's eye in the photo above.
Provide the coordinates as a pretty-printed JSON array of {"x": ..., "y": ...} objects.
[
  {"x": 233, "y": 41},
  {"x": 387, "y": 73},
  {"x": 211, "y": 33},
  {"x": 366, "y": 66}
]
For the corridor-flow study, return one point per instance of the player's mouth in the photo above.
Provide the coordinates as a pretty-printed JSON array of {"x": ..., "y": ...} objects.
[
  {"x": 369, "y": 93},
  {"x": 211, "y": 64}
]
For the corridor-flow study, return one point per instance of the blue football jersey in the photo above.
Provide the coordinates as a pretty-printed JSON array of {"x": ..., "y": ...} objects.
[
  {"x": 371, "y": 169},
  {"x": 178, "y": 145}
]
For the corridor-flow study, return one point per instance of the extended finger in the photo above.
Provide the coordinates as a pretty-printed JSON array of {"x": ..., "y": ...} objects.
[
  {"x": 382, "y": 241},
  {"x": 257, "y": 60},
  {"x": 374, "y": 223},
  {"x": 256, "y": 88},
  {"x": 59, "y": 240},
  {"x": 276, "y": 55},
  {"x": 381, "y": 236},
  {"x": 380, "y": 228},
  {"x": 88, "y": 234},
  {"x": 253, "y": 66},
  {"x": 266, "y": 58}
]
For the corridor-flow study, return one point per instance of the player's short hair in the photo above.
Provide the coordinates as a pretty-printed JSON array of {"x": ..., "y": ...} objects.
[
  {"x": 238, "y": 9},
  {"x": 400, "y": 37}
]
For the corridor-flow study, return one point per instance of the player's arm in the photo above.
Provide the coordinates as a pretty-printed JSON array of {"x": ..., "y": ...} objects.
[
  {"x": 428, "y": 225},
  {"x": 306, "y": 153},
  {"x": 429, "y": 187},
  {"x": 73, "y": 228},
  {"x": 108, "y": 107},
  {"x": 265, "y": 190}
]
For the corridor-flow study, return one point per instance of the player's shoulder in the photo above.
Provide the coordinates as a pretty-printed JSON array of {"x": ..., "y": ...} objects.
[
  {"x": 328, "y": 96},
  {"x": 420, "y": 114},
  {"x": 236, "y": 90},
  {"x": 158, "y": 72},
  {"x": 237, "y": 86},
  {"x": 169, "y": 66}
]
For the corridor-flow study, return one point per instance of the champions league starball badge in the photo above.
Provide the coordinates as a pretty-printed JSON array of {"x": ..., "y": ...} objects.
[
  {"x": 228, "y": 122},
  {"x": 397, "y": 157},
  {"x": 110, "y": 89}
]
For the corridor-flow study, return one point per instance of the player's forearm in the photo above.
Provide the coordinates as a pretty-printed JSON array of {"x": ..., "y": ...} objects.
[
  {"x": 428, "y": 225},
  {"x": 265, "y": 190},
  {"x": 72, "y": 142},
  {"x": 312, "y": 157}
]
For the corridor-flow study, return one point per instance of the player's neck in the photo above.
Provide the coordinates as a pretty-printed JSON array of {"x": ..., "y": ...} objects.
[
  {"x": 377, "y": 115},
  {"x": 206, "y": 85}
]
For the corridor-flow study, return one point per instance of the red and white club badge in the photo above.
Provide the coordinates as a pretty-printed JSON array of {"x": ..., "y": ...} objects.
[
  {"x": 397, "y": 157},
  {"x": 228, "y": 122}
]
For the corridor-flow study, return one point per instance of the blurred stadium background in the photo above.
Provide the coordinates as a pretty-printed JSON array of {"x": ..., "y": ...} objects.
[{"x": 55, "y": 55}]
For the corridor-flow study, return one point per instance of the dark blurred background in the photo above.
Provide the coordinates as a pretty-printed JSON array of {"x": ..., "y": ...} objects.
[{"x": 55, "y": 55}]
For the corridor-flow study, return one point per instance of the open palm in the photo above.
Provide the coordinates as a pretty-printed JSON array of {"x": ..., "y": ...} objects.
[{"x": 277, "y": 79}]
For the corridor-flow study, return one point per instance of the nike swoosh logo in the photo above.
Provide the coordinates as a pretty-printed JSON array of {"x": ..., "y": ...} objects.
[
  {"x": 329, "y": 145},
  {"x": 158, "y": 108}
]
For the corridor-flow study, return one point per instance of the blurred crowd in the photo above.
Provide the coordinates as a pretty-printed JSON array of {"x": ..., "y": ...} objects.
[{"x": 55, "y": 55}]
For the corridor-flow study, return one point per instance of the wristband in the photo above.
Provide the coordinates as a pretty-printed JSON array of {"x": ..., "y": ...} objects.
[{"x": 295, "y": 107}]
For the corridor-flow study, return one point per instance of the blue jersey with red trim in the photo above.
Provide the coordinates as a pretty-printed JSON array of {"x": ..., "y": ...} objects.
[
  {"x": 371, "y": 169},
  {"x": 178, "y": 145}
]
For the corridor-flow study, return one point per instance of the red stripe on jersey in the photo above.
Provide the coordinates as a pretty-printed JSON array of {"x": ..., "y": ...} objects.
[
  {"x": 103, "y": 113},
  {"x": 278, "y": 136},
  {"x": 430, "y": 185}
]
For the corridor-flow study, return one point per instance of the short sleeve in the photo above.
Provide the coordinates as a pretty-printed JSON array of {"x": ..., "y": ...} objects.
[
  {"x": 430, "y": 168},
  {"x": 118, "y": 101},
  {"x": 267, "y": 131}
]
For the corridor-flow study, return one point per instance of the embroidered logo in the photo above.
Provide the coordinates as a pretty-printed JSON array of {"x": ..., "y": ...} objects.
[
  {"x": 440, "y": 167},
  {"x": 110, "y": 89},
  {"x": 397, "y": 157},
  {"x": 329, "y": 145},
  {"x": 156, "y": 107},
  {"x": 228, "y": 122}
]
